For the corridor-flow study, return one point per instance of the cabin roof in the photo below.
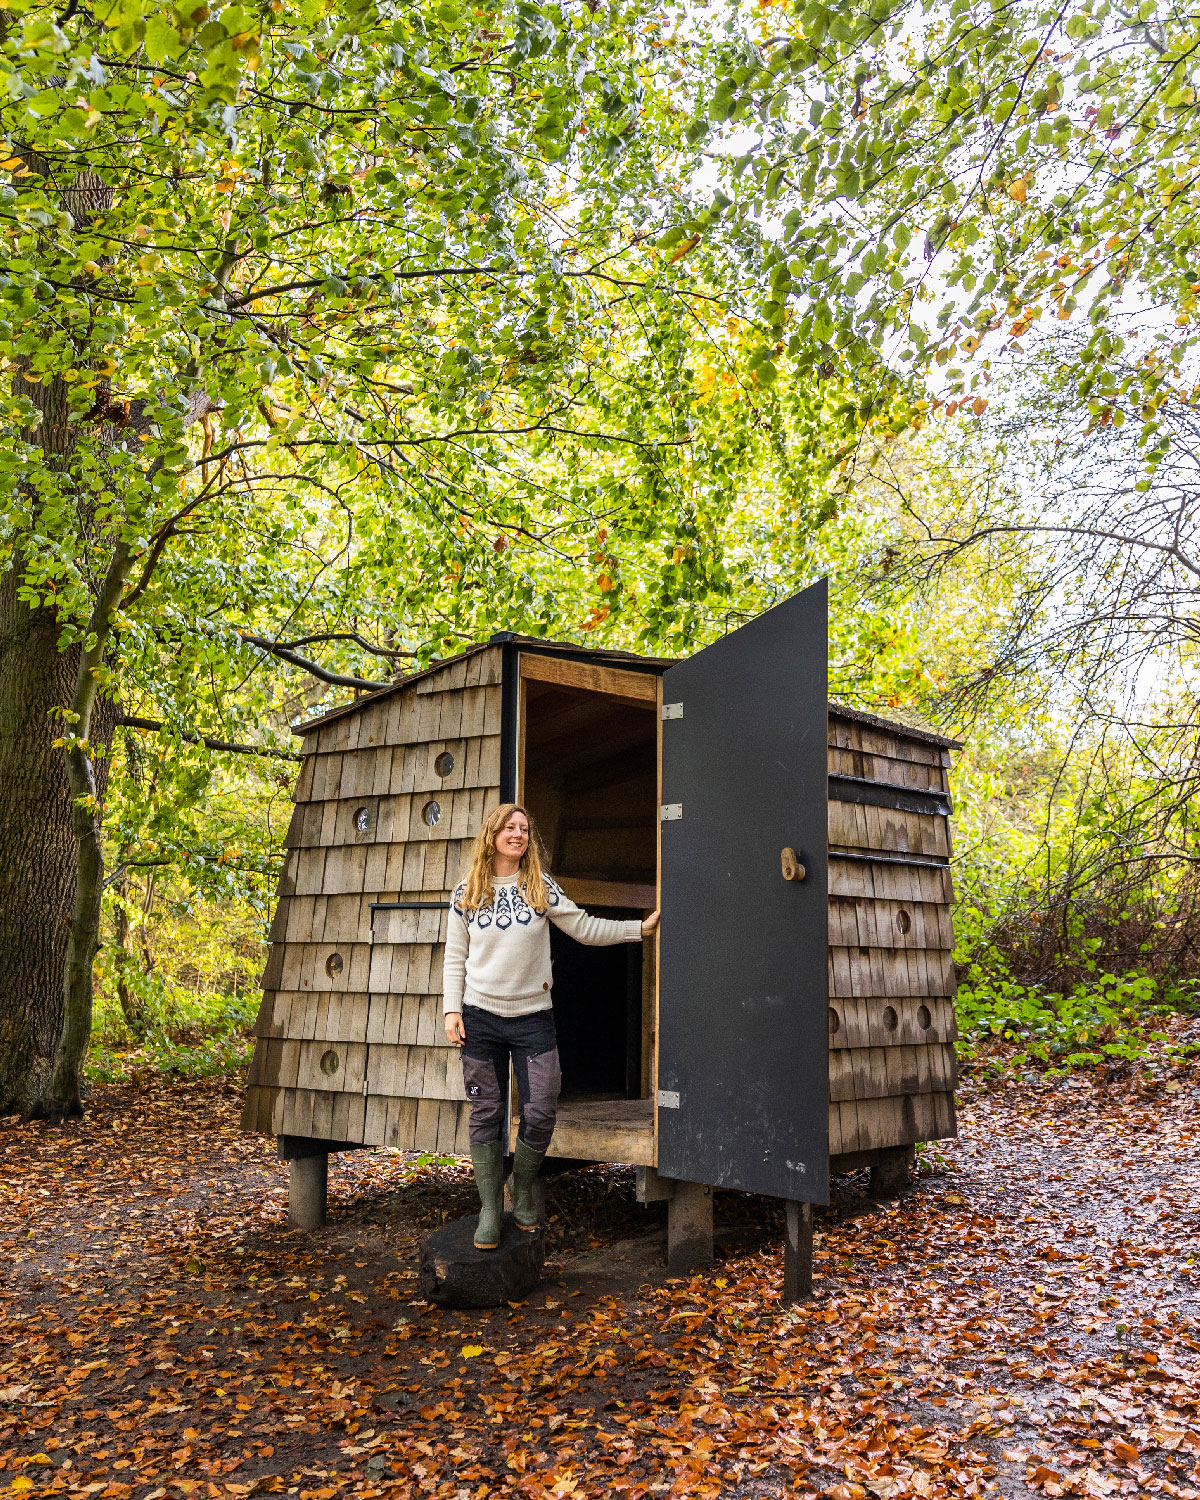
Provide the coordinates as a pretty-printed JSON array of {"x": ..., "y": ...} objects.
[
  {"x": 501, "y": 638},
  {"x": 592, "y": 653},
  {"x": 910, "y": 731}
]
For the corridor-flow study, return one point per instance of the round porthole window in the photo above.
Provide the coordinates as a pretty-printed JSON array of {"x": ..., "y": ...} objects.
[
  {"x": 330, "y": 1062},
  {"x": 890, "y": 1019},
  {"x": 362, "y": 819},
  {"x": 443, "y": 764},
  {"x": 334, "y": 965},
  {"x": 835, "y": 1021},
  {"x": 924, "y": 1019},
  {"x": 903, "y": 921},
  {"x": 431, "y": 813}
]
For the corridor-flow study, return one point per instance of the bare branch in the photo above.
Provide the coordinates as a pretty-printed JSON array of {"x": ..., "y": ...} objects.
[
  {"x": 154, "y": 726},
  {"x": 322, "y": 674}
]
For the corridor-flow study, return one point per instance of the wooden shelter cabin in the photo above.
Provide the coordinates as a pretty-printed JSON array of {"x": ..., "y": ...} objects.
[{"x": 795, "y": 1015}]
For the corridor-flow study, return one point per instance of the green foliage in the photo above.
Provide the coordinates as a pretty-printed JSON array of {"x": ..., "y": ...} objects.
[
  {"x": 360, "y": 315},
  {"x": 191, "y": 983},
  {"x": 948, "y": 174},
  {"x": 1108, "y": 1021}
]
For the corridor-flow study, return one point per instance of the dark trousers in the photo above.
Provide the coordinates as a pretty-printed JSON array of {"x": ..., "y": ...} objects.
[{"x": 529, "y": 1044}]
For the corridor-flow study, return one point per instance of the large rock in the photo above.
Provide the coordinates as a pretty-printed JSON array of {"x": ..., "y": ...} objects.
[{"x": 455, "y": 1274}]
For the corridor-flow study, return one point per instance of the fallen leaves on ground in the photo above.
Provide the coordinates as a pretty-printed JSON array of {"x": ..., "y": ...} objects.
[{"x": 1024, "y": 1322}]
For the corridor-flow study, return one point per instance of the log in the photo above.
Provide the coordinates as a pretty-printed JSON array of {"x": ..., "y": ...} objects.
[{"x": 454, "y": 1274}]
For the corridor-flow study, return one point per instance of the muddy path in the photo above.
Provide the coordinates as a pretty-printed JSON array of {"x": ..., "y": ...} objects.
[{"x": 1025, "y": 1320}]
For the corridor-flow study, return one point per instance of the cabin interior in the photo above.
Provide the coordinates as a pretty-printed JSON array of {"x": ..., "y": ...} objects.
[{"x": 588, "y": 773}]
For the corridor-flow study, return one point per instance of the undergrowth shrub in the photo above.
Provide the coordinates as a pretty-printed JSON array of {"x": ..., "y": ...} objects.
[
  {"x": 188, "y": 1008},
  {"x": 1106, "y": 1020}
]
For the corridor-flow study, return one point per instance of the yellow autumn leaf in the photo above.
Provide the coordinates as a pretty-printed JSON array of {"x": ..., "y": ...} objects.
[
  {"x": 469, "y": 1351},
  {"x": 1019, "y": 191},
  {"x": 722, "y": 1282},
  {"x": 21, "y": 1485}
]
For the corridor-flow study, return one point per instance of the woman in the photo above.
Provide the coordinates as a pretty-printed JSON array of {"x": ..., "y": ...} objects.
[{"x": 498, "y": 1007}]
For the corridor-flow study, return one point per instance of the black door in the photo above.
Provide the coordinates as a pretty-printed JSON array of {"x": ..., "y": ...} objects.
[{"x": 742, "y": 1060}]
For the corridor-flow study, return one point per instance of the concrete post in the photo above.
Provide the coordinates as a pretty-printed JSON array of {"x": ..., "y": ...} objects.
[
  {"x": 308, "y": 1179},
  {"x": 798, "y": 1252},
  {"x": 690, "y": 1227}
]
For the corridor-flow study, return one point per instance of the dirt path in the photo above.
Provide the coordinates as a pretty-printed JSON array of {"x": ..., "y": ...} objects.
[{"x": 1026, "y": 1321}]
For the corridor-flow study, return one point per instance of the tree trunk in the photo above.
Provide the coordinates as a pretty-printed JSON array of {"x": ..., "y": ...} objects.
[
  {"x": 46, "y": 838},
  {"x": 38, "y": 851},
  {"x": 124, "y": 962}
]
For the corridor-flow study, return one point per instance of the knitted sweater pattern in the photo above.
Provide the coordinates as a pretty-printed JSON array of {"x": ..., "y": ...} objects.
[{"x": 498, "y": 956}]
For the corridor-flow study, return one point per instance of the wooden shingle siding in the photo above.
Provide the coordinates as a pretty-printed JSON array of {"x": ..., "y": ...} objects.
[
  {"x": 853, "y": 826},
  {"x": 915, "y": 775},
  {"x": 851, "y": 733},
  {"x": 381, "y": 1012},
  {"x": 892, "y": 1067},
  {"x": 891, "y": 881},
  {"x": 885, "y": 923},
  {"x": 891, "y": 1022},
  {"x": 876, "y": 972},
  {"x": 897, "y": 1120}
]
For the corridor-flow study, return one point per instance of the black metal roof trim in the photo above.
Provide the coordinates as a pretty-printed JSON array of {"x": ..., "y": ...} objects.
[
  {"x": 576, "y": 650},
  {"x": 409, "y": 906},
  {"x": 878, "y": 857},
  {"x": 870, "y": 793}
]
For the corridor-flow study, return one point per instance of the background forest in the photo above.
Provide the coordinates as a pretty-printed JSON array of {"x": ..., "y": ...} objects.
[{"x": 340, "y": 336}]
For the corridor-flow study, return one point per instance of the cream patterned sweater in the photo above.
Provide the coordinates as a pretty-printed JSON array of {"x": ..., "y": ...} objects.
[{"x": 498, "y": 957}]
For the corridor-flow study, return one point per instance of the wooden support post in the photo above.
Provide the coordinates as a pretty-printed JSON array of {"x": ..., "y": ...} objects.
[
  {"x": 690, "y": 1227},
  {"x": 308, "y": 1179},
  {"x": 889, "y": 1171},
  {"x": 651, "y": 1188},
  {"x": 798, "y": 1252}
]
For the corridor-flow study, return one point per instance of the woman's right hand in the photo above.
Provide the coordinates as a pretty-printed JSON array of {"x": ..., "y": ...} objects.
[{"x": 456, "y": 1032}]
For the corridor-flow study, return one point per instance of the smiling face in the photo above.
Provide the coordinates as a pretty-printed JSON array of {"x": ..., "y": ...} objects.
[{"x": 513, "y": 839}]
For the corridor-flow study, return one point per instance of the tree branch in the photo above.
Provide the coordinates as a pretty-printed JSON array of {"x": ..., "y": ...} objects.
[
  {"x": 132, "y": 721},
  {"x": 322, "y": 674},
  {"x": 344, "y": 635}
]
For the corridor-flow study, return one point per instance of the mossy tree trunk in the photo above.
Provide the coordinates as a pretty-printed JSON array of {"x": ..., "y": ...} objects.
[
  {"x": 37, "y": 850},
  {"x": 51, "y": 861}
]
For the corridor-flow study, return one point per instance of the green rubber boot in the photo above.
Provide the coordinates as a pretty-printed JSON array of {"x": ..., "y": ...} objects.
[
  {"x": 527, "y": 1163},
  {"x": 488, "y": 1162}
]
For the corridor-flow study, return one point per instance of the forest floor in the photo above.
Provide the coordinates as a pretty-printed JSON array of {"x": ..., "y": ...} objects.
[{"x": 1025, "y": 1320}]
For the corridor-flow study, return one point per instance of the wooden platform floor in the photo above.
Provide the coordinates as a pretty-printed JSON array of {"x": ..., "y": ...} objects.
[{"x": 613, "y": 1130}]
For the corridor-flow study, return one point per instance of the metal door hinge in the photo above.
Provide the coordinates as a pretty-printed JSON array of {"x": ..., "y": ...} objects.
[
  {"x": 671, "y": 812},
  {"x": 672, "y": 710},
  {"x": 668, "y": 1098}
]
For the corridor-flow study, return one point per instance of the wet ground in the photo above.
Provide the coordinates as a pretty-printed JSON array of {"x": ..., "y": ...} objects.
[{"x": 1024, "y": 1321}]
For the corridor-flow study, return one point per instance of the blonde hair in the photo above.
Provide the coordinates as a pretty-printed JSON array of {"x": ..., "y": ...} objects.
[{"x": 530, "y": 879}]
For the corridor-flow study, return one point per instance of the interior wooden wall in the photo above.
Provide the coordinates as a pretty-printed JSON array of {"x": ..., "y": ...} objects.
[
  {"x": 892, "y": 1067},
  {"x": 397, "y": 1082}
]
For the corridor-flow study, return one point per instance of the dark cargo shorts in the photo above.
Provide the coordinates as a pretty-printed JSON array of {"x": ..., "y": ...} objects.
[{"x": 529, "y": 1044}]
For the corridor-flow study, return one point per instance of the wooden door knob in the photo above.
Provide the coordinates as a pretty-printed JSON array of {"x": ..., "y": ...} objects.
[{"x": 792, "y": 868}]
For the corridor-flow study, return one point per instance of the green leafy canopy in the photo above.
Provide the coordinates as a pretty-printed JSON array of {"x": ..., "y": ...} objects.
[{"x": 949, "y": 175}]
